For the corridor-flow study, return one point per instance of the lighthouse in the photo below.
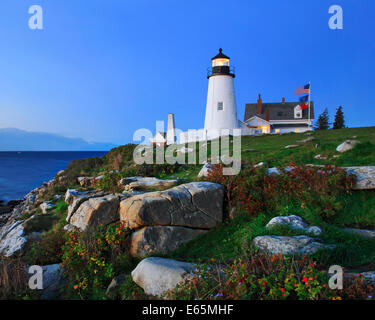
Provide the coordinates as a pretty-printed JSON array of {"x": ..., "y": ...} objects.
[{"x": 221, "y": 109}]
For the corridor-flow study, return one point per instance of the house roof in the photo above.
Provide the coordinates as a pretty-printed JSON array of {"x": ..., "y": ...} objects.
[
  {"x": 220, "y": 55},
  {"x": 277, "y": 111}
]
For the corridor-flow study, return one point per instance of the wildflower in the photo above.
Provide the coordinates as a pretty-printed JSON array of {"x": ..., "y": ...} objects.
[
  {"x": 75, "y": 287},
  {"x": 304, "y": 279},
  {"x": 218, "y": 295},
  {"x": 264, "y": 283}
]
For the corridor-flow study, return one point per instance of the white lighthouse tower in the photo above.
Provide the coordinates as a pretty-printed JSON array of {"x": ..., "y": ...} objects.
[{"x": 221, "y": 108}]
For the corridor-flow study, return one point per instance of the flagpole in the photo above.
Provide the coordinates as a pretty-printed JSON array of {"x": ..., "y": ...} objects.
[{"x": 309, "y": 102}]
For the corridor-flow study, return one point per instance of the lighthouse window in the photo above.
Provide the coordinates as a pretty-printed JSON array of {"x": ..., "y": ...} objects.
[{"x": 220, "y": 106}]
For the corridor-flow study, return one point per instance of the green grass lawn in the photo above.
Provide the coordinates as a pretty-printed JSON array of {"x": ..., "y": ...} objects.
[{"x": 231, "y": 239}]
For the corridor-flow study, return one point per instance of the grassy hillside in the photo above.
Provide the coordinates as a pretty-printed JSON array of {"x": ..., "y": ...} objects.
[{"x": 253, "y": 198}]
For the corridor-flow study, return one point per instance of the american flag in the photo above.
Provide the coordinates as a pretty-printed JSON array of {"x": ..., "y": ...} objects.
[{"x": 303, "y": 90}]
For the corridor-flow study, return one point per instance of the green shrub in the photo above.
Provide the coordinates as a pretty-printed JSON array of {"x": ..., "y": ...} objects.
[
  {"x": 48, "y": 249},
  {"x": 264, "y": 277},
  {"x": 109, "y": 182},
  {"x": 92, "y": 258},
  {"x": 255, "y": 191}
]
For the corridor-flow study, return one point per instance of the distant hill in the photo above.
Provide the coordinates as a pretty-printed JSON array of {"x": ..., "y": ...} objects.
[{"x": 12, "y": 139}]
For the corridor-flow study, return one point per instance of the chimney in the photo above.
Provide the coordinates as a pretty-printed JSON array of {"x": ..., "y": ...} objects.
[
  {"x": 283, "y": 100},
  {"x": 267, "y": 114},
  {"x": 171, "y": 134},
  {"x": 259, "y": 105}
]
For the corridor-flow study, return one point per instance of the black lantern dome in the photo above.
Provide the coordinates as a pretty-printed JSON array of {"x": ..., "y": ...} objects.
[{"x": 220, "y": 65}]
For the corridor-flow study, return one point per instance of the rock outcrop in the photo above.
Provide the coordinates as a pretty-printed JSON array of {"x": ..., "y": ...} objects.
[
  {"x": 75, "y": 198},
  {"x": 12, "y": 238},
  {"x": 157, "y": 275},
  {"x": 160, "y": 239},
  {"x": 289, "y": 245},
  {"x": 346, "y": 145},
  {"x": 365, "y": 177},
  {"x": 45, "y": 206},
  {"x": 308, "y": 139},
  {"x": 52, "y": 281},
  {"x": 194, "y": 205},
  {"x": 96, "y": 211},
  {"x": 147, "y": 183},
  {"x": 293, "y": 222},
  {"x": 206, "y": 169},
  {"x": 166, "y": 219},
  {"x": 361, "y": 232}
]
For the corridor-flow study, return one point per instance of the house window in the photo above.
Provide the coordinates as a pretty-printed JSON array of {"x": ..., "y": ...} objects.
[
  {"x": 297, "y": 130},
  {"x": 277, "y": 130},
  {"x": 220, "y": 106}
]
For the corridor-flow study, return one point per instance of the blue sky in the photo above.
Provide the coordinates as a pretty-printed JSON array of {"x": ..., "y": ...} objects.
[{"x": 101, "y": 69}]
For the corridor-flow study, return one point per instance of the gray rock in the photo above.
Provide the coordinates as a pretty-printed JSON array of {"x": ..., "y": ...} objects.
[
  {"x": 206, "y": 169},
  {"x": 368, "y": 276},
  {"x": 85, "y": 181},
  {"x": 70, "y": 195},
  {"x": 52, "y": 281},
  {"x": 157, "y": 275},
  {"x": 96, "y": 211},
  {"x": 115, "y": 283},
  {"x": 320, "y": 157},
  {"x": 308, "y": 139},
  {"x": 13, "y": 239},
  {"x": 291, "y": 146},
  {"x": 45, "y": 206},
  {"x": 294, "y": 222},
  {"x": 147, "y": 183},
  {"x": 194, "y": 205},
  {"x": 361, "y": 232},
  {"x": 260, "y": 164},
  {"x": 273, "y": 171},
  {"x": 289, "y": 245},
  {"x": 69, "y": 228},
  {"x": 346, "y": 146},
  {"x": 160, "y": 239},
  {"x": 75, "y": 198},
  {"x": 365, "y": 177}
]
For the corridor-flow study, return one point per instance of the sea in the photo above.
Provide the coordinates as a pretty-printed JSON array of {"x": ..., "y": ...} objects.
[{"x": 21, "y": 172}]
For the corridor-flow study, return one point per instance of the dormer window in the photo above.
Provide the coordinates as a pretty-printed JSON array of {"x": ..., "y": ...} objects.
[{"x": 298, "y": 112}]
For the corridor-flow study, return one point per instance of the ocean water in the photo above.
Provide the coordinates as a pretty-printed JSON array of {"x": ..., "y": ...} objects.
[{"x": 21, "y": 172}]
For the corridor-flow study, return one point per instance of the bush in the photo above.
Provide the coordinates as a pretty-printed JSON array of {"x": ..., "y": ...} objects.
[
  {"x": 109, "y": 182},
  {"x": 13, "y": 279},
  {"x": 92, "y": 258},
  {"x": 82, "y": 167},
  {"x": 264, "y": 277},
  {"x": 255, "y": 191},
  {"x": 48, "y": 249}
]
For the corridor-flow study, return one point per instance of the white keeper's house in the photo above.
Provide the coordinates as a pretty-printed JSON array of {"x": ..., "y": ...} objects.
[{"x": 277, "y": 117}]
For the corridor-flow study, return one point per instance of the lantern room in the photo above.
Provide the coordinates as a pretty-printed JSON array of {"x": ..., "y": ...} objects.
[{"x": 220, "y": 65}]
